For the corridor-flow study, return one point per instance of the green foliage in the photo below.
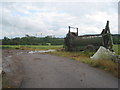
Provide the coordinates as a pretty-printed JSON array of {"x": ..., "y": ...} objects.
[
  {"x": 116, "y": 38},
  {"x": 30, "y": 40}
]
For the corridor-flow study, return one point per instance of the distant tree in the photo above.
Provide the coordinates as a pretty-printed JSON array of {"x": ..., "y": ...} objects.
[
  {"x": 30, "y": 40},
  {"x": 26, "y": 35},
  {"x": 6, "y": 38}
]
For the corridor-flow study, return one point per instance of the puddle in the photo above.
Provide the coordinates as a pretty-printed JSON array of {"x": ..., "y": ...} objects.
[{"x": 42, "y": 51}]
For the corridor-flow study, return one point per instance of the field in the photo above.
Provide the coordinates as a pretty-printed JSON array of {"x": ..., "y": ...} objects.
[
  {"x": 116, "y": 48},
  {"x": 32, "y": 47},
  {"x": 46, "y": 47}
]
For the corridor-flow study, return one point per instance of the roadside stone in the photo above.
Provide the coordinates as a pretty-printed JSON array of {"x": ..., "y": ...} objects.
[{"x": 103, "y": 53}]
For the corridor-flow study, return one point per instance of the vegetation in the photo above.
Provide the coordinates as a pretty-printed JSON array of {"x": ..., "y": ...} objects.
[
  {"x": 106, "y": 65},
  {"x": 116, "y": 38},
  {"x": 45, "y": 43},
  {"x": 48, "y": 40},
  {"x": 30, "y": 40},
  {"x": 116, "y": 48},
  {"x": 32, "y": 47}
]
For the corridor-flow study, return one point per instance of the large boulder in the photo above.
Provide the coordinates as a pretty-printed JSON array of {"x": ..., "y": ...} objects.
[{"x": 103, "y": 53}]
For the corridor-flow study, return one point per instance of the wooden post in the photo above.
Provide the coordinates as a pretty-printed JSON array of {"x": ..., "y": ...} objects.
[
  {"x": 77, "y": 31},
  {"x": 69, "y": 29},
  {"x": 109, "y": 36}
]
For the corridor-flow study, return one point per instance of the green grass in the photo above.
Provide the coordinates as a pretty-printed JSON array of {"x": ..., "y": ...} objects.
[
  {"x": 32, "y": 47},
  {"x": 116, "y": 49}
]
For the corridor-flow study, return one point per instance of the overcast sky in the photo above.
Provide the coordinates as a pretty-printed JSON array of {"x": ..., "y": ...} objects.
[{"x": 53, "y": 18}]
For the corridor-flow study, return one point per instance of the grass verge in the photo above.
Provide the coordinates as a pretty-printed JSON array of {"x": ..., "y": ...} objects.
[{"x": 107, "y": 65}]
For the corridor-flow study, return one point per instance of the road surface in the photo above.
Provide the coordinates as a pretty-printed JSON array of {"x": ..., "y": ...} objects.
[{"x": 49, "y": 71}]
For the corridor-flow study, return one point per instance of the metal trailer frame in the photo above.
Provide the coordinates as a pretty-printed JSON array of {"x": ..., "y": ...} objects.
[{"x": 104, "y": 39}]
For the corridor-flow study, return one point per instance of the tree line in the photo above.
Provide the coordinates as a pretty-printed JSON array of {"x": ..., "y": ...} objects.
[
  {"x": 48, "y": 40},
  {"x": 31, "y": 40},
  {"x": 116, "y": 38}
]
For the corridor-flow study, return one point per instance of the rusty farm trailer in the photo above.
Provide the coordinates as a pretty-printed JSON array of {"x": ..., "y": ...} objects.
[{"x": 73, "y": 42}]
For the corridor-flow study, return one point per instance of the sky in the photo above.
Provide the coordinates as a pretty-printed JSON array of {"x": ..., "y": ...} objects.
[{"x": 40, "y": 18}]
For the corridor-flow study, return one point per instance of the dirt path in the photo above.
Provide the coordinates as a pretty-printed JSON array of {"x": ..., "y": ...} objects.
[{"x": 49, "y": 71}]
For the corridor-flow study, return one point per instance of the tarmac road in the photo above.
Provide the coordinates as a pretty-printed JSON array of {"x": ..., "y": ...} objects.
[{"x": 49, "y": 71}]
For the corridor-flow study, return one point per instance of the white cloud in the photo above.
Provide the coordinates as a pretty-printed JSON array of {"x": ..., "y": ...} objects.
[
  {"x": 50, "y": 19},
  {"x": 44, "y": 22},
  {"x": 102, "y": 17},
  {"x": 59, "y": 0}
]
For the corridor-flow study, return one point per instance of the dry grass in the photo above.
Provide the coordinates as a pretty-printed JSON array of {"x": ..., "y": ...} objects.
[{"x": 106, "y": 65}]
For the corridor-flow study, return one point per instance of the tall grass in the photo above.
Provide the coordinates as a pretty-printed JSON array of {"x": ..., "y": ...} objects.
[{"x": 107, "y": 65}]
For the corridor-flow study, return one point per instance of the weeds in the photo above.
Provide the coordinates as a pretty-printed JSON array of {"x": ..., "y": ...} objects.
[{"x": 107, "y": 65}]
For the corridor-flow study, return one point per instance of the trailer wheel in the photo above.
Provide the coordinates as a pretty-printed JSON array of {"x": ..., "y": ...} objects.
[{"x": 90, "y": 48}]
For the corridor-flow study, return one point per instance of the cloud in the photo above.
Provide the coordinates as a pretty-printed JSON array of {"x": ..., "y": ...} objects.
[
  {"x": 44, "y": 22},
  {"x": 102, "y": 17},
  {"x": 19, "y": 19},
  {"x": 59, "y": 0}
]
